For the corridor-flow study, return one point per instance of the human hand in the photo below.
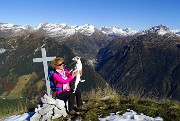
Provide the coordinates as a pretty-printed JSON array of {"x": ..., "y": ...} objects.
[{"x": 74, "y": 73}]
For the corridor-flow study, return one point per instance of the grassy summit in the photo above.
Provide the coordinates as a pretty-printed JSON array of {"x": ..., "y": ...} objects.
[{"x": 101, "y": 102}]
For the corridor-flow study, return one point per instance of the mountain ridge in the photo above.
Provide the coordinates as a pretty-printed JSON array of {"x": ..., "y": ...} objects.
[
  {"x": 64, "y": 30},
  {"x": 149, "y": 58},
  {"x": 147, "y": 63}
]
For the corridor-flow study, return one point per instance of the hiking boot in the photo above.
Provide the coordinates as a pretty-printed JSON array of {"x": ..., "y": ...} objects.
[
  {"x": 81, "y": 108},
  {"x": 72, "y": 112}
]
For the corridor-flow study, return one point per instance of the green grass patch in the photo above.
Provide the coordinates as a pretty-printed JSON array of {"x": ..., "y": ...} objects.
[
  {"x": 169, "y": 110},
  {"x": 101, "y": 102},
  {"x": 10, "y": 107}
]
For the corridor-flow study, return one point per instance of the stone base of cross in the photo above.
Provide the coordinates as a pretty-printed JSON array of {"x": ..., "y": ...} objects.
[{"x": 45, "y": 59}]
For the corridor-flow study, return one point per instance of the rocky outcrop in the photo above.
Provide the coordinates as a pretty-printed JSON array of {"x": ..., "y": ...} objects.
[{"x": 49, "y": 109}]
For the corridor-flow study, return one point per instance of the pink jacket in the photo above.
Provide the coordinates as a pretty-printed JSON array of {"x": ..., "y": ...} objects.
[{"x": 62, "y": 81}]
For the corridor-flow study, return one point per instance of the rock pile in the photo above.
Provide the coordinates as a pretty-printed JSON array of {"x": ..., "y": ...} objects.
[{"x": 50, "y": 109}]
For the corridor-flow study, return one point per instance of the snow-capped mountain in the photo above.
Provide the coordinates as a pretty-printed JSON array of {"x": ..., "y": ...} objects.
[
  {"x": 64, "y": 30},
  {"x": 116, "y": 31},
  {"x": 160, "y": 30},
  {"x": 109, "y": 55},
  {"x": 177, "y": 32},
  {"x": 55, "y": 30},
  {"x": 8, "y": 30}
]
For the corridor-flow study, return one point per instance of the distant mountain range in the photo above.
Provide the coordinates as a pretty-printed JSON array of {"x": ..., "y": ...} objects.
[
  {"x": 144, "y": 62},
  {"x": 64, "y": 30}
]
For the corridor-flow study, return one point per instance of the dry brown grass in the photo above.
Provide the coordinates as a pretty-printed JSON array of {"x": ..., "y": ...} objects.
[{"x": 102, "y": 94}]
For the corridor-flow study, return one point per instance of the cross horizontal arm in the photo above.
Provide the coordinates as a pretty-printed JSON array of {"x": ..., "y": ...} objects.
[{"x": 43, "y": 59}]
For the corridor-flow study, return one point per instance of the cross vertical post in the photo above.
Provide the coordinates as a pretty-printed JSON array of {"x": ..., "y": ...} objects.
[{"x": 45, "y": 59}]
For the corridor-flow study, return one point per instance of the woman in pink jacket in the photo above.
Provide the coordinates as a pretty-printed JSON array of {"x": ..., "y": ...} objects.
[{"x": 62, "y": 77}]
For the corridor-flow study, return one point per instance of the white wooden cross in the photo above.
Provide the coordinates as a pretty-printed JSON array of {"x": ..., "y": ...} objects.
[{"x": 45, "y": 59}]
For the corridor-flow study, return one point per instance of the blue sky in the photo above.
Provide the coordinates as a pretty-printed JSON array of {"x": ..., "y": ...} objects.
[{"x": 135, "y": 14}]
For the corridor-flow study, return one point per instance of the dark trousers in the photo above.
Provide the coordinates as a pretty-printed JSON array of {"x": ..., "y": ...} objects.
[
  {"x": 70, "y": 97},
  {"x": 67, "y": 96},
  {"x": 78, "y": 98}
]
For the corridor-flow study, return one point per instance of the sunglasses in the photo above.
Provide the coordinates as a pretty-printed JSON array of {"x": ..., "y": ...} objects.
[{"x": 60, "y": 64}]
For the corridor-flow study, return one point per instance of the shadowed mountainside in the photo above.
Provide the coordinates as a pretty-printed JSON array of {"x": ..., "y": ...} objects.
[{"x": 148, "y": 65}]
